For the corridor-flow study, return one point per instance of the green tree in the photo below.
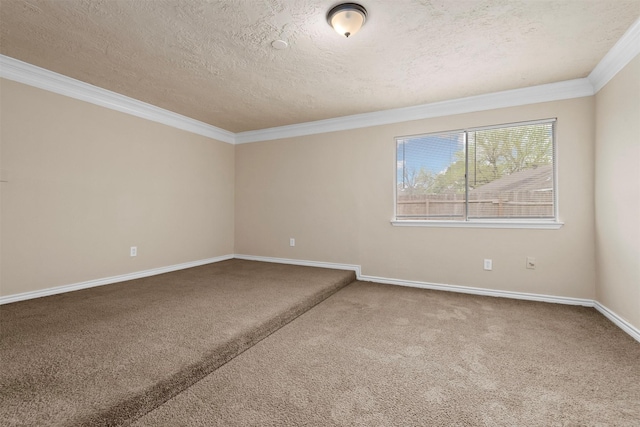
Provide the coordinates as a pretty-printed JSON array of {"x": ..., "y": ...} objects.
[
  {"x": 452, "y": 180},
  {"x": 417, "y": 181},
  {"x": 495, "y": 153}
]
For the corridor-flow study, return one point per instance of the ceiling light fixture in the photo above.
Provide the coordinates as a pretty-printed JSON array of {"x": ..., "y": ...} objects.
[
  {"x": 347, "y": 18},
  {"x": 279, "y": 44}
]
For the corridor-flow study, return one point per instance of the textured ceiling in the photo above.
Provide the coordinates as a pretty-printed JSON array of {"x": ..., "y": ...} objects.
[{"x": 213, "y": 60}]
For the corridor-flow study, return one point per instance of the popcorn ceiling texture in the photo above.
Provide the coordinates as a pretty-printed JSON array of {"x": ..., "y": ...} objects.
[{"x": 212, "y": 60}]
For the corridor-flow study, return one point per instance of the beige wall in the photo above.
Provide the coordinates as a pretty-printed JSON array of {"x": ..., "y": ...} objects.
[
  {"x": 617, "y": 193},
  {"x": 86, "y": 183},
  {"x": 334, "y": 193}
]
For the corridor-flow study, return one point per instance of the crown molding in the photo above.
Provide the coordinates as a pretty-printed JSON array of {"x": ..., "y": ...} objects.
[
  {"x": 627, "y": 48},
  {"x": 22, "y": 72},
  {"x": 510, "y": 98}
]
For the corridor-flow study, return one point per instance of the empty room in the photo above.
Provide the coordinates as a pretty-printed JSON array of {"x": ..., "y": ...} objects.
[{"x": 319, "y": 213}]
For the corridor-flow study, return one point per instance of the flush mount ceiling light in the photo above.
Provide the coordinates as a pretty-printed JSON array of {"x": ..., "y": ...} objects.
[
  {"x": 347, "y": 18},
  {"x": 279, "y": 44}
]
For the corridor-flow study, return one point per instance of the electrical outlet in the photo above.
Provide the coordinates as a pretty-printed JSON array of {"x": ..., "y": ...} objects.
[
  {"x": 133, "y": 251},
  {"x": 488, "y": 264},
  {"x": 292, "y": 242},
  {"x": 531, "y": 263}
]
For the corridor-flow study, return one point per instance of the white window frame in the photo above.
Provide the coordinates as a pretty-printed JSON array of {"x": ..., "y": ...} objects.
[{"x": 549, "y": 224}]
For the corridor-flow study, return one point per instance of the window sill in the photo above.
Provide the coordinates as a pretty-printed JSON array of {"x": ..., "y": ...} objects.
[{"x": 545, "y": 225}]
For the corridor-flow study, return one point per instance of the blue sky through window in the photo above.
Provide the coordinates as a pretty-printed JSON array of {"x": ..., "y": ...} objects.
[{"x": 434, "y": 153}]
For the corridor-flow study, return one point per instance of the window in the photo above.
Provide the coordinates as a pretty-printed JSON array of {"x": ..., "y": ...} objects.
[{"x": 498, "y": 174}]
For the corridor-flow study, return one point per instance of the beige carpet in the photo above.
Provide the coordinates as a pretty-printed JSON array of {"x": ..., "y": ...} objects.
[
  {"x": 104, "y": 355},
  {"x": 378, "y": 355}
]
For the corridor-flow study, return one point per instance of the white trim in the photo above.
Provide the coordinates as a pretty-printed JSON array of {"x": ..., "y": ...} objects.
[
  {"x": 13, "y": 69},
  {"x": 424, "y": 285},
  {"x": 109, "y": 280},
  {"x": 585, "y": 302},
  {"x": 618, "y": 321},
  {"x": 531, "y": 95},
  {"x": 466, "y": 222},
  {"x": 542, "y": 225},
  {"x": 613, "y": 317},
  {"x": 307, "y": 263},
  {"x": 480, "y": 291},
  {"x": 627, "y": 48}
]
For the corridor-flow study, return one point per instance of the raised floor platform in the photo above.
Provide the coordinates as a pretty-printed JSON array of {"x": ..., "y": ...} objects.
[
  {"x": 382, "y": 355},
  {"x": 108, "y": 355}
]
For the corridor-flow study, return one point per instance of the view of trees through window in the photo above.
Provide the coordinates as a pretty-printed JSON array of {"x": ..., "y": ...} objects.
[{"x": 490, "y": 173}]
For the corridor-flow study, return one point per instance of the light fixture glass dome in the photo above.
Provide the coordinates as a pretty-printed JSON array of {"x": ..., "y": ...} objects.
[{"x": 347, "y": 18}]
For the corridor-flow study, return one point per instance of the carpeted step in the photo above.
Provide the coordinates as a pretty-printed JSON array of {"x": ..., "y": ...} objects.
[
  {"x": 383, "y": 355},
  {"x": 108, "y": 355}
]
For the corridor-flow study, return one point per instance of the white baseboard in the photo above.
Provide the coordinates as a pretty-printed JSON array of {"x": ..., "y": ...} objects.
[
  {"x": 613, "y": 317},
  {"x": 353, "y": 267},
  {"x": 618, "y": 321},
  {"x": 481, "y": 291},
  {"x": 108, "y": 280}
]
